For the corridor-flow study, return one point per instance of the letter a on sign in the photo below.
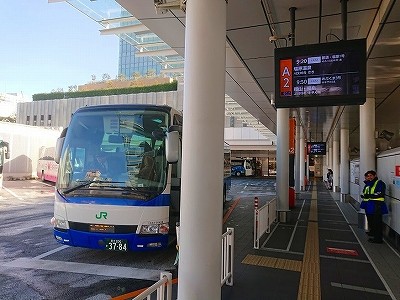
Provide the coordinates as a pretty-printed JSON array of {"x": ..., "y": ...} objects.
[{"x": 285, "y": 86}]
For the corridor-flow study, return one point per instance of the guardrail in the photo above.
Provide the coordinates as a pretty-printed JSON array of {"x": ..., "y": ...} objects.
[
  {"x": 163, "y": 288},
  {"x": 263, "y": 219},
  {"x": 227, "y": 257},
  {"x": 164, "y": 285}
]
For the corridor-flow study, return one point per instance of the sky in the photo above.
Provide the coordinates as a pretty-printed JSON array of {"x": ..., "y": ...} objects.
[{"x": 44, "y": 47}]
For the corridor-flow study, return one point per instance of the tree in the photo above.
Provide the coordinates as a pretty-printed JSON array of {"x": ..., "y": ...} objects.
[
  {"x": 93, "y": 77},
  {"x": 72, "y": 88},
  {"x": 136, "y": 75},
  {"x": 106, "y": 77},
  {"x": 151, "y": 73},
  {"x": 121, "y": 77}
]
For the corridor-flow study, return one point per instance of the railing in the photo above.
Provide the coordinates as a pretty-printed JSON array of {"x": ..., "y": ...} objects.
[
  {"x": 227, "y": 257},
  {"x": 163, "y": 288},
  {"x": 263, "y": 219},
  {"x": 164, "y": 285}
]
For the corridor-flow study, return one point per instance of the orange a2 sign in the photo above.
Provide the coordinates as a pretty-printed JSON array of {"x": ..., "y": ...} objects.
[{"x": 285, "y": 74}]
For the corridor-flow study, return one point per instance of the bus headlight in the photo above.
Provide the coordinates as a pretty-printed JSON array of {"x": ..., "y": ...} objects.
[
  {"x": 59, "y": 223},
  {"x": 161, "y": 228}
]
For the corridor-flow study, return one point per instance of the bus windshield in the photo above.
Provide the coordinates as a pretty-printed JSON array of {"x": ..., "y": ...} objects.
[{"x": 114, "y": 153}]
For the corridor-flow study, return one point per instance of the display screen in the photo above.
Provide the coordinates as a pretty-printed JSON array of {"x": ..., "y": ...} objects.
[
  {"x": 328, "y": 74},
  {"x": 316, "y": 148}
]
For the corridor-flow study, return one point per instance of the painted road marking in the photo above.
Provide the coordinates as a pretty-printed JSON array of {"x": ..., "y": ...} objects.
[
  {"x": 350, "y": 252},
  {"x": 359, "y": 288},
  {"x": 82, "y": 268},
  {"x": 51, "y": 252}
]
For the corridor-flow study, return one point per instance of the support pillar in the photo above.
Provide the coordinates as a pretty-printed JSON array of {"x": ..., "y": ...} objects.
[
  {"x": 335, "y": 160},
  {"x": 367, "y": 138},
  {"x": 203, "y": 106},
  {"x": 282, "y": 163},
  {"x": 344, "y": 157},
  {"x": 302, "y": 160},
  {"x": 297, "y": 179}
]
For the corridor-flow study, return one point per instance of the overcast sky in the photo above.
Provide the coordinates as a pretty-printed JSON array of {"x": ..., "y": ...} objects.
[{"x": 48, "y": 46}]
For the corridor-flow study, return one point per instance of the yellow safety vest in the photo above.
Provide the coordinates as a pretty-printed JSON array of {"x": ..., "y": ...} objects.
[{"x": 368, "y": 191}]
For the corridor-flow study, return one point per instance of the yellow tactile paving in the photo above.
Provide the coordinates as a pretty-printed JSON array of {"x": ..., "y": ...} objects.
[
  {"x": 251, "y": 259},
  {"x": 310, "y": 279},
  {"x": 273, "y": 262}
]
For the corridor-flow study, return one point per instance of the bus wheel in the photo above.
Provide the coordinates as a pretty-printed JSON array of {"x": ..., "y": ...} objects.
[{"x": 42, "y": 176}]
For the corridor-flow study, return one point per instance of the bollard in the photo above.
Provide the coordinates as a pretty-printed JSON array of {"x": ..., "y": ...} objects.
[
  {"x": 255, "y": 230},
  {"x": 255, "y": 202}
]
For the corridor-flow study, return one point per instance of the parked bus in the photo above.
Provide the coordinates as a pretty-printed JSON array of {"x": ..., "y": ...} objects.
[
  {"x": 47, "y": 168},
  {"x": 242, "y": 167},
  {"x": 227, "y": 170},
  {"x": 134, "y": 205}
]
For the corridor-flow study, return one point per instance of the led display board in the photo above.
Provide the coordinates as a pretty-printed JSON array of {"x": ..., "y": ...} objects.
[
  {"x": 328, "y": 74},
  {"x": 316, "y": 148}
]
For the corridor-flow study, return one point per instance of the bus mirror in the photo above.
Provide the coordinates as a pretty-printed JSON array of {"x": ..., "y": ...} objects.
[
  {"x": 59, "y": 145},
  {"x": 175, "y": 128},
  {"x": 172, "y": 147}
]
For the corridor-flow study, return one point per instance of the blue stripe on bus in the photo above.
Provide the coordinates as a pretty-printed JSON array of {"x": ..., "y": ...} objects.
[
  {"x": 97, "y": 240},
  {"x": 160, "y": 200}
]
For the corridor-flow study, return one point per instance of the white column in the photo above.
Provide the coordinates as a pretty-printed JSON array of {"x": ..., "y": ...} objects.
[
  {"x": 335, "y": 159},
  {"x": 344, "y": 156},
  {"x": 367, "y": 137},
  {"x": 330, "y": 157},
  {"x": 325, "y": 162},
  {"x": 302, "y": 159},
  {"x": 282, "y": 161},
  {"x": 297, "y": 185},
  {"x": 202, "y": 154}
]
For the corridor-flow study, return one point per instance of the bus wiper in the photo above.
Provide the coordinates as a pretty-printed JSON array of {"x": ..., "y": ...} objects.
[{"x": 88, "y": 182}]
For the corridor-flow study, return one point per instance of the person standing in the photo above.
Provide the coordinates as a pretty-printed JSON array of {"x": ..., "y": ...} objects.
[
  {"x": 374, "y": 204},
  {"x": 329, "y": 179}
]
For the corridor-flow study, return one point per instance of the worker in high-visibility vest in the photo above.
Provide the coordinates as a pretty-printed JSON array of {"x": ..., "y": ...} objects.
[{"x": 374, "y": 204}]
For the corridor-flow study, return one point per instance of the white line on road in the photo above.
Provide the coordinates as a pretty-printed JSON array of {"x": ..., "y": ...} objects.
[
  {"x": 51, "y": 252},
  {"x": 12, "y": 193},
  {"x": 82, "y": 268}
]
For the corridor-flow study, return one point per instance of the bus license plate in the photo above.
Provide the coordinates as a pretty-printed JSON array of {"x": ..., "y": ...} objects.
[{"x": 116, "y": 245}]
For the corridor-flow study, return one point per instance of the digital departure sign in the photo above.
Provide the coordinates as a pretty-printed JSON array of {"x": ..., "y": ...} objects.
[
  {"x": 328, "y": 74},
  {"x": 316, "y": 148}
]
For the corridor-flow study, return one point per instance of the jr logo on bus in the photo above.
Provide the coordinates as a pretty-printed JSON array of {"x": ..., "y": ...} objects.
[{"x": 101, "y": 215}]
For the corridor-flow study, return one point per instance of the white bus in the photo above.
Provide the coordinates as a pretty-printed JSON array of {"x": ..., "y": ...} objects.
[
  {"x": 133, "y": 205},
  {"x": 47, "y": 168}
]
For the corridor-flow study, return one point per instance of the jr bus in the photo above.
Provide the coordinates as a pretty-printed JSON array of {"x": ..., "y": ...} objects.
[
  {"x": 134, "y": 205},
  {"x": 47, "y": 168}
]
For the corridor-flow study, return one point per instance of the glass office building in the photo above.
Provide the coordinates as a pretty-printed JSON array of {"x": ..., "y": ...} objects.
[{"x": 129, "y": 64}]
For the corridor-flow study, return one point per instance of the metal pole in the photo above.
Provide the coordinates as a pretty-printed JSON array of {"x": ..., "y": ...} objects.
[
  {"x": 344, "y": 19},
  {"x": 292, "y": 24}
]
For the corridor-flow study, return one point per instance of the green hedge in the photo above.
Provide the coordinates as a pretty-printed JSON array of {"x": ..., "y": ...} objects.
[{"x": 165, "y": 87}]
